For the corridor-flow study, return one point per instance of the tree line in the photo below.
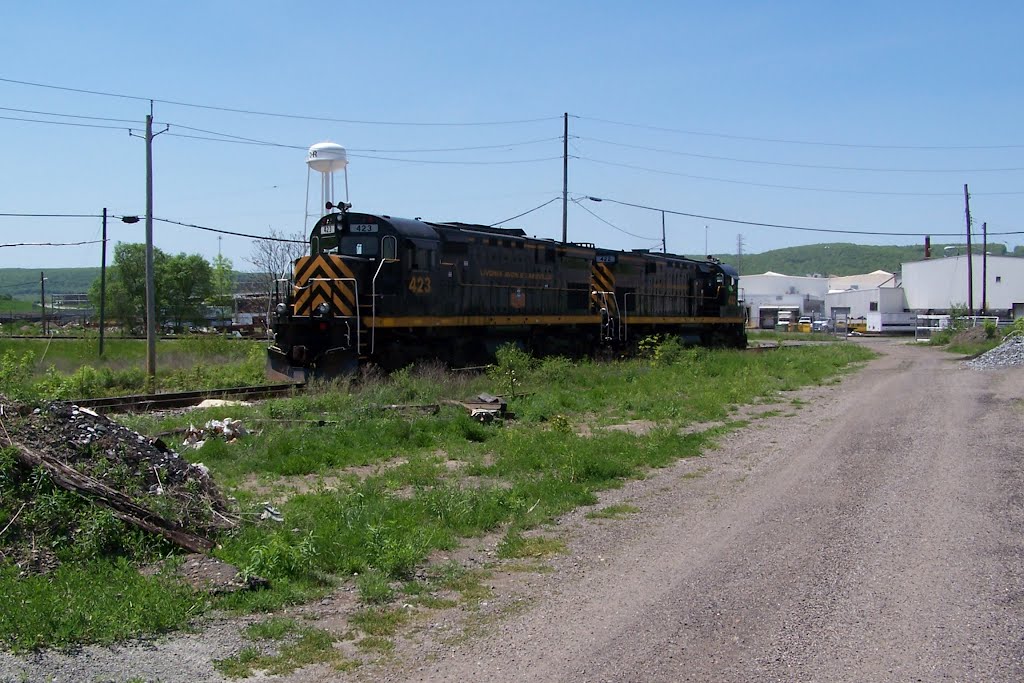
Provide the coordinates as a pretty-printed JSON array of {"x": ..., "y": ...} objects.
[{"x": 187, "y": 286}]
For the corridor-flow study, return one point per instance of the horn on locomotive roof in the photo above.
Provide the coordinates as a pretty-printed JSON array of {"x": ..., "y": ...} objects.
[{"x": 325, "y": 158}]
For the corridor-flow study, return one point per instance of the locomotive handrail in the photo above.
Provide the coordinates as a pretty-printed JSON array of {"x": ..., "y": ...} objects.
[{"x": 373, "y": 307}]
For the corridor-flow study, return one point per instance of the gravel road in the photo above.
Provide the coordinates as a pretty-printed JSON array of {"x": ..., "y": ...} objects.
[
  {"x": 874, "y": 536},
  {"x": 872, "y": 533}
]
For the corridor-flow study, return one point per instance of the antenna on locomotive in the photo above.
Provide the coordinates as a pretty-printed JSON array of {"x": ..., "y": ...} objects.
[{"x": 325, "y": 158}]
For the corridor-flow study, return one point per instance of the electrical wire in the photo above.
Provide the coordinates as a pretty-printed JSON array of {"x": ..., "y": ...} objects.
[
  {"x": 70, "y": 116},
  {"x": 458, "y": 162},
  {"x": 795, "y": 142},
  {"x": 788, "y": 227},
  {"x": 51, "y": 215},
  {"x": 788, "y": 187},
  {"x": 228, "y": 232},
  {"x": 49, "y": 244},
  {"x": 276, "y": 114},
  {"x": 797, "y": 165},
  {"x": 62, "y": 123},
  {"x": 612, "y": 225},
  {"x": 520, "y": 215}
]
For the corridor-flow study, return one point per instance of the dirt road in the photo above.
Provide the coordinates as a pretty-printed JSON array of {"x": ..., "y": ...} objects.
[
  {"x": 874, "y": 536},
  {"x": 868, "y": 531}
]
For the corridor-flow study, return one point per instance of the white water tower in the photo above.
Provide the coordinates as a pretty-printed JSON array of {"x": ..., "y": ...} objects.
[{"x": 325, "y": 158}]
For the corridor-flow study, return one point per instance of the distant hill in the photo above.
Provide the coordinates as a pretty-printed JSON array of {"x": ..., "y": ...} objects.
[
  {"x": 23, "y": 283},
  {"x": 844, "y": 259},
  {"x": 824, "y": 259}
]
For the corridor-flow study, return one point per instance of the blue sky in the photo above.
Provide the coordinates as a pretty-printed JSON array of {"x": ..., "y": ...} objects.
[{"x": 718, "y": 98}]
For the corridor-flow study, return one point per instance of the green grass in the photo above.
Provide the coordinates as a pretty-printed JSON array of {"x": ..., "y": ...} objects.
[
  {"x": 613, "y": 512},
  {"x": 382, "y": 524},
  {"x": 71, "y": 368},
  {"x": 298, "y": 646}
]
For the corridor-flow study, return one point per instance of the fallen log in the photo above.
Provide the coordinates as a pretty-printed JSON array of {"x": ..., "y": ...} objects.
[{"x": 124, "y": 508}]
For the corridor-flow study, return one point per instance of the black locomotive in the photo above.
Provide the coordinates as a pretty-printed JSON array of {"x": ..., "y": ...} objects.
[{"x": 389, "y": 291}]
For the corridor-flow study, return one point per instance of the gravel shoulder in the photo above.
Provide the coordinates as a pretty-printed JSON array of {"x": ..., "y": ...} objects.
[{"x": 872, "y": 533}]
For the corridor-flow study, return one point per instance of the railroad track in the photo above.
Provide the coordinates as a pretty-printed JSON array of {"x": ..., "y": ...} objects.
[{"x": 182, "y": 399}]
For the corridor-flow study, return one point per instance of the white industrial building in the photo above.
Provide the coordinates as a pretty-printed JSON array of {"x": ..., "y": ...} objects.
[
  {"x": 767, "y": 294},
  {"x": 871, "y": 297},
  {"x": 884, "y": 301},
  {"x": 937, "y": 285}
]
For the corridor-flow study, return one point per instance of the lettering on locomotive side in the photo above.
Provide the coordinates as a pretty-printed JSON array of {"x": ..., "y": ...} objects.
[{"x": 514, "y": 275}]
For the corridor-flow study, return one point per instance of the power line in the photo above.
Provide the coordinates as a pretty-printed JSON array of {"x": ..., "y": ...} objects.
[
  {"x": 796, "y": 142},
  {"x": 227, "y": 232},
  {"x": 49, "y": 244},
  {"x": 663, "y": 150},
  {"x": 520, "y": 215},
  {"x": 70, "y": 116},
  {"x": 458, "y": 162},
  {"x": 789, "y": 227},
  {"x": 51, "y": 215},
  {"x": 276, "y": 114},
  {"x": 609, "y": 223},
  {"x": 61, "y": 123},
  {"x": 786, "y": 187}
]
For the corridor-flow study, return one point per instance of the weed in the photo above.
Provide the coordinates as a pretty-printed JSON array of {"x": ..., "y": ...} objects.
[
  {"x": 375, "y": 644},
  {"x": 376, "y": 621},
  {"x": 515, "y": 545},
  {"x": 374, "y": 588},
  {"x": 613, "y": 512},
  {"x": 312, "y": 646}
]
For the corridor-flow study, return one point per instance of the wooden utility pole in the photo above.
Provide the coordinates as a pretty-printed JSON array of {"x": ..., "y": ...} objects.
[
  {"x": 150, "y": 280},
  {"x": 565, "y": 178},
  {"x": 42, "y": 300},
  {"x": 103, "y": 279},
  {"x": 970, "y": 256}
]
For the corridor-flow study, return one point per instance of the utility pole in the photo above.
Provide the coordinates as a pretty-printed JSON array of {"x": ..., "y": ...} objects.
[
  {"x": 150, "y": 285},
  {"x": 103, "y": 279},
  {"x": 42, "y": 300},
  {"x": 984, "y": 268},
  {"x": 565, "y": 178},
  {"x": 150, "y": 280},
  {"x": 664, "y": 249},
  {"x": 970, "y": 256}
]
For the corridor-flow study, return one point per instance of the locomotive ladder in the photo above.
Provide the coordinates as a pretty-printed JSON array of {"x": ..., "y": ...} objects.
[{"x": 611, "y": 322}]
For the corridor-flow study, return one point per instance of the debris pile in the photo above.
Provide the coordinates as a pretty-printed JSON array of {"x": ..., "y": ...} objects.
[
  {"x": 138, "y": 480},
  {"x": 1009, "y": 353},
  {"x": 227, "y": 428}
]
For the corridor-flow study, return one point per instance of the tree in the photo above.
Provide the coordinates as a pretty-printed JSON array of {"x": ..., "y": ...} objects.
[
  {"x": 223, "y": 284},
  {"x": 273, "y": 257},
  {"x": 181, "y": 282},
  {"x": 126, "y": 285},
  {"x": 185, "y": 281}
]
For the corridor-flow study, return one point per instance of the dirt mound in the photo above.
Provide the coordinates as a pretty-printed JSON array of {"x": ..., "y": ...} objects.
[
  {"x": 61, "y": 455},
  {"x": 969, "y": 336}
]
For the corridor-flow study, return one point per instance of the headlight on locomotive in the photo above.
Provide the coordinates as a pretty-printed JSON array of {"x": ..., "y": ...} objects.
[
  {"x": 323, "y": 310},
  {"x": 281, "y": 309}
]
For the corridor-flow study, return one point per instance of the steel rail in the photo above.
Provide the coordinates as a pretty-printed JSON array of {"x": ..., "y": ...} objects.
[{"x": 181, "y": 399}]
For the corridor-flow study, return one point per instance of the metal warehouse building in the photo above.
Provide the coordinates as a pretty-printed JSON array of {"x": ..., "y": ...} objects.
[{"x": 938, "y": 284}]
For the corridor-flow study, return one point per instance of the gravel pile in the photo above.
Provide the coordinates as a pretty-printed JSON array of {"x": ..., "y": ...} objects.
[{"x": 1010, "y": 352}]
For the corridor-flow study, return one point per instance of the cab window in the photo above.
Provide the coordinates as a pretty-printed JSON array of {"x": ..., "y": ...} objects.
[{"x": 359, "y": 245}]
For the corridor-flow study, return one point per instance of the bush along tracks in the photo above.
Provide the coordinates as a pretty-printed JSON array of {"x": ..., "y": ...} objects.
[{"x": 336, "y": 487}]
